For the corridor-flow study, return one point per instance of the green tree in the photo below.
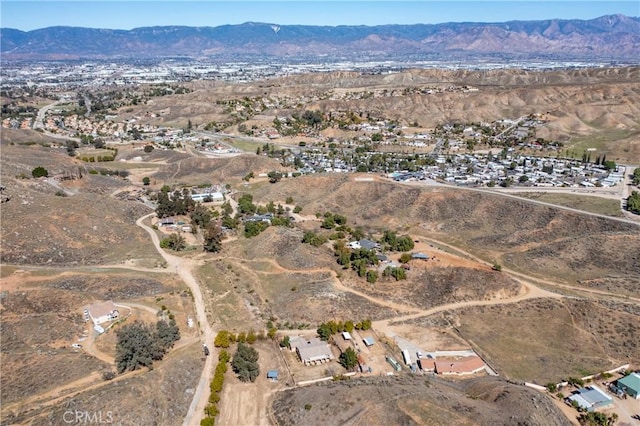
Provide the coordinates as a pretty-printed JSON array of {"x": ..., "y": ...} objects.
[
  {"x": 251, "y": 229},
  {"x": 174, "y": 242},
  {"x": 633, "y": 202},
  {"x": 348, "y": 326},
  {"x": 138, "y": 344},
  {"x": 328, "y": 222},
  {"x": 222, "y": 339},
  {"x": 200, "y": 216},
  {"x": 148, "y": 148},
  {"x": 372, "y": 276},
  {"x": 324, "y": 331},
  {"x": 609, "y": 165},
  {"x": 212, "y": 238},
  {"x": 39, "y": 172},
  {"x": 245, "y": 363},
  {"x": 348, "y": 359},
  {"x": 146, "y": 181},
  {"x": 396, "y": 273},
  {"x": 274, "y": 176},
  {"x": 405, "y": 258},
  {"x": 298, "y": 209},
  {"x": 245, "y": 204}
]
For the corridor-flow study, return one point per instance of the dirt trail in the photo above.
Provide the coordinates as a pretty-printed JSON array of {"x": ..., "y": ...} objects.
[
  {"x": 533, "y": 280},
  {"x": 529, "y": 291}
]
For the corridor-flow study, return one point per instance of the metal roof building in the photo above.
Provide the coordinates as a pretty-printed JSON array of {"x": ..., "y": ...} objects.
[
  {"x": 631, "y": 385},
  {"x": 591, "y": 398}
]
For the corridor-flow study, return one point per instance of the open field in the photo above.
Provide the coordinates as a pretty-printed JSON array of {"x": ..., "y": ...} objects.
[
  {"x": 581, "y": 202},
  {"x": 546, "y": 341},
  {"x": 166, "y": 391}
]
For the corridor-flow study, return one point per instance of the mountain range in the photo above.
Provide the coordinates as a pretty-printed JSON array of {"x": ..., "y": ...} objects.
[{"x": 612, "y": 37}]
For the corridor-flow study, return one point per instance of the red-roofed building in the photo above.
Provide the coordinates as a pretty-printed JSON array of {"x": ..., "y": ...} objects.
[{"x": 460, "y": 367}]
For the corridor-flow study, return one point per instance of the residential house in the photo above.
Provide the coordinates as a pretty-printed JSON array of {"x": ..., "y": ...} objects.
[
  {"x": 459, "y": 367},
  {"x": 312, "y": 351},
  {"x": 103, "y": 312}
]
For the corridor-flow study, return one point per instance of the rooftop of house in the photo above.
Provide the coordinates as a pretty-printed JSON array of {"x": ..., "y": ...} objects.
[
  {"x": 459, "y": 366},
  {"x": 98, "y": 310},
  {"x": 312, "y": 349}
]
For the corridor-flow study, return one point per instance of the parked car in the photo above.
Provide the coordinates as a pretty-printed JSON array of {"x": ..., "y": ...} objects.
[{"x": 76, "y": 345}]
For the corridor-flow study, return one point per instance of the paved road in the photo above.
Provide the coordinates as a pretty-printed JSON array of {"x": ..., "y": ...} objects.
[
  {"x": 184, "y": 268},
  {"x": 42, "y": 112}
]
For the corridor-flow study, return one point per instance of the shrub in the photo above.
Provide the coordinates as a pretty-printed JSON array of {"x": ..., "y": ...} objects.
[{"x": 39, "y": 172}]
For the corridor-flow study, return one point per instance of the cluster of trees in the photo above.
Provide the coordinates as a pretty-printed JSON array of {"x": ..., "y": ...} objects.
[
  {"x": 100, "y": 158},
  {"x": 225, "y": 338},
  {"x": 394, "y": 272},
  {"x": 211, "y": 410},
  {"x": 394, "y": 242},
  {"x": 176, "y": 203},
  {"x": 325, "y": 330},
  {"x": 314, "y": 239},
  {"x": 245, "y": 363},
  {"x": 636, "y": 176},
  {"x": 109, "y": 172},
  {"x": 201, "y": 218},
  {"x": 333, "y": 219},
  {"x": 253, "y": 228},
  {"x": 140, "y": 344},
  {"x": 596, "y": 418}
]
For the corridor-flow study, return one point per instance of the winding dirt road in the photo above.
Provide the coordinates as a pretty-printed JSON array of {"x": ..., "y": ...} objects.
[{"x": 184, "y": 268}]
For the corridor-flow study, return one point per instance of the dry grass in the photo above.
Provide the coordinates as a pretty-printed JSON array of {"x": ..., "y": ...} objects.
[
  {"x": 546, "y": 340},
  {"x": 410, "y": 400},
  {"x": 586, "y": 203}
]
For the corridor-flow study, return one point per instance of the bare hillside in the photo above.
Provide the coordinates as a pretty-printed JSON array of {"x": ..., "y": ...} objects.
[
  {"x": 411, "y": 400},
  {"x": 529, "y": 236}
]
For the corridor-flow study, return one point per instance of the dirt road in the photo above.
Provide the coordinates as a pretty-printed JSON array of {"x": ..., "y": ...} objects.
[{"x": 184, "y": 268}]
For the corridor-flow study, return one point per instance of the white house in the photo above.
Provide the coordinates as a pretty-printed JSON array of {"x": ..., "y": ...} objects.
[{"x": 103, "y": 312}]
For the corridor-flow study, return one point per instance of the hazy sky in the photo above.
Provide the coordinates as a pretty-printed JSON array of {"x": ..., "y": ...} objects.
[{"x": 28, "y": 15}]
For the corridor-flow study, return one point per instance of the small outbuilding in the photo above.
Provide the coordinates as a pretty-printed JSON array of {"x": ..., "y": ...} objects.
[
  {"x": 346, "y": 335},
  {"x": 419, "y": 256},
  {"x": 272, "y": 375},
  {"x": 369, "y": 341}
]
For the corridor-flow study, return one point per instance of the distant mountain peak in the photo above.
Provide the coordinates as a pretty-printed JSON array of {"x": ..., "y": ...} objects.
[{"x": 610, "y": 37}]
